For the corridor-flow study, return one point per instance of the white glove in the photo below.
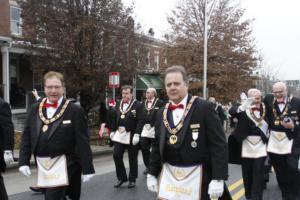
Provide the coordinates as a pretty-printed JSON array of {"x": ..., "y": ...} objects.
[
  {"x": 135, "y": 139},
  {"x": 112, "y": 134},
  {"x": 216, "y": 189},
  {"x": 243, "y": 97},
  {"x": 87, "y": 177},
  {"x": 299, "y": 163},
  {"x": 8, "y": 157},
  {"x": 151, "y": 183},
  {"x": 25, "y": 170},
  {"x": 246, "y": 104}
]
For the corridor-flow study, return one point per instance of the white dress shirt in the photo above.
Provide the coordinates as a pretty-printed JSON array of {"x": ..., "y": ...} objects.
[
  {"x": 281, "y": 105},
  {"x": 51, "y": 111},
  {"x": 177, "y": 114}
]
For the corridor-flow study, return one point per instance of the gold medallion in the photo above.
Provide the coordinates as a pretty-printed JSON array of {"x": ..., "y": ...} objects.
[
  {"x": 122, "y": 116},
  {"x": 173, "y": 139},
  {"x": 45, "y": 128},
  {"x": 276, "y": 122}
]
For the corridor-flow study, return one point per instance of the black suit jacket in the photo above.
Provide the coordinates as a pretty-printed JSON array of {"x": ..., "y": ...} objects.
[
  {"x": 64, "y": 138},
  {"x": 131, "y": 118},
  {"x": 244, "y": 128},
  {"x": 6, "y": 131},
  {"x": 212, "y": 145},
  {"x": 145, "y": 118},
  {"x": 293, "y": 113}
]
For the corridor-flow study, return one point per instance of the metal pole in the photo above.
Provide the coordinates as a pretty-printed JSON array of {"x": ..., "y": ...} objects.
[
  {"x": 205, "y": 52},
  {"x": 114, "y": 93}
]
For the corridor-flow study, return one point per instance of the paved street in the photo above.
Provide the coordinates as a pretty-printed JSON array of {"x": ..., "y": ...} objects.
[{"x": 101, "y": 187}]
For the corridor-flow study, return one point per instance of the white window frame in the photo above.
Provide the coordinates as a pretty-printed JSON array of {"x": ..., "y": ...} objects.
[
  {"x": 147, "y": 60},
  {"x": 156, "y": 59},
  {"x": 17, "y": 22}
]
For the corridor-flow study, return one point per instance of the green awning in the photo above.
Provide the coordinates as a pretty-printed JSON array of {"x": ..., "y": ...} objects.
[{"x": 145, "y": 81}]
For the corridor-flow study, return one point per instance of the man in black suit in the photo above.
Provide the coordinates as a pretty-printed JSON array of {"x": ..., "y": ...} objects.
[
  {"x": 146, "y": 123},
  {"x": 218, "y": 109},
  {"x": 56, "y": 134},
  {"x": 251, "y": 134},
  {"x": 125, "y": 136},
  {"x": 6, "y": 142},
  {"x": 283, "y": 113},
  {"x": 189, "y": 145}
]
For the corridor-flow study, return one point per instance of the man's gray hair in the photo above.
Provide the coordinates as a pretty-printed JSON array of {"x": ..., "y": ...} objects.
[
  {"x": 180, "y": 69},
  {"x": 152, "y": 90}
]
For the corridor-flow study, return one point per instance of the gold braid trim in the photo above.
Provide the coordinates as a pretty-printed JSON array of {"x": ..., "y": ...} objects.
[
  {"x": 177, "y": 128},
  {"x": 55, "y": 117}
]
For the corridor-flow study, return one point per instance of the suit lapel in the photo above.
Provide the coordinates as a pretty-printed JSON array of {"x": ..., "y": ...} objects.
[
  {"x": 186, "y": 123},
  {"x": 162, "y": 137},
  {"x": 54, "y": 126},
  {"x": 57, "y": 122}
]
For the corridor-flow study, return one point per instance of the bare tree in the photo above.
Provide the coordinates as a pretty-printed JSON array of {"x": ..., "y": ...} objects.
[
  {"x": 231, "y": 51},
  {"x": 84, "y": 39}
]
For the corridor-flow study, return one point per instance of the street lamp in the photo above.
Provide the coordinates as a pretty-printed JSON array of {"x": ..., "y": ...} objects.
[{"x": 206, "y": 18}]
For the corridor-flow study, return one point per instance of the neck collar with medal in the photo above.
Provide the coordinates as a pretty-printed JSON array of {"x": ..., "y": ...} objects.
[
  {"x": 152, "y": 106},
  {"x": 173, "y": 138},
  {"x": 123, "y": 113},
  {"x": 260, "y": 119},
  {"x": 46, "y": 121},
  {"x": 284, "y": 113}
]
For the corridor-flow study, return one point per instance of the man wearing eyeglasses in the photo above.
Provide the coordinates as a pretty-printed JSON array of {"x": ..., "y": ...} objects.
[
  {"x": 55, "y": 133},
  {"x": 283, "y": 114}
]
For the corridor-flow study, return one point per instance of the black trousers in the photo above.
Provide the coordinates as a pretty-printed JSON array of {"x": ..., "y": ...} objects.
[
  {"x": 145, "y": 148},
  {"x": 287, "y": 175},
  {"x": 118, "y": 153},
  {"x": 253, "y": 175},
  {"x": 73, "y": 191},
  {"x": 3, "y": 193}
]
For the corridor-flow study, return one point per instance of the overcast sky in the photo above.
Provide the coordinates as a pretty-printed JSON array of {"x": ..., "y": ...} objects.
[{"x": 276, "y": 29}]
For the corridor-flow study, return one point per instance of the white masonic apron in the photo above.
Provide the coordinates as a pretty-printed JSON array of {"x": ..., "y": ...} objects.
[
  {"x": 121, "y": 136},
  {"x": 148, "y": 131},
  {"x": 52, "y": 172},
  {"x": 279, "y": 143},
  {"x": 180, "y": 183}
]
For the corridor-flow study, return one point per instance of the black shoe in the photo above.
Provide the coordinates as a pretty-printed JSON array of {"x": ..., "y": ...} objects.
[
  {"x": 131, "y": 184},
  {"x": 145, "y": 172},
  {"x": 119, "y": 183},
  {"x": 37, "y": 189}
]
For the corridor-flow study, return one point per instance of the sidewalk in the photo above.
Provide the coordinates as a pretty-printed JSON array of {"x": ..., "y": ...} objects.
[{"x": 97, "y": 150}]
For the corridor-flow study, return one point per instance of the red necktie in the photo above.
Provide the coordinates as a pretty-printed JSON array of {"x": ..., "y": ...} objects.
[
  {"x": 173, "y": 107},
  {"x": 48, "y": 105}
]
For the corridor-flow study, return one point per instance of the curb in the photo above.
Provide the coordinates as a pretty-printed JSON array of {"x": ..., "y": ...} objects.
[{"x": 15, "y": 165}]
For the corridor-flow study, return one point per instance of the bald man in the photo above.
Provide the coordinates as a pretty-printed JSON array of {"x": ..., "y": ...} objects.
[
  {"x": 283, "y": 114},
  {"x": 146, "y": 123},
  {"x": 251, "y": 134}
]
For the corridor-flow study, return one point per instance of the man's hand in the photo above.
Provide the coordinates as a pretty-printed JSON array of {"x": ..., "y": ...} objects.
[
  {"x": 151, "y": 183},
  {"x": 136, "y": 139},
  {"x": 216, "y": 189},
  {"x": 25, "y": 170},
  {"x": 247, "y": 104},
  {"x": 288, "y": 125},
  {"x": 87, "y": 177},
  {"x": 8, "y": 157}
]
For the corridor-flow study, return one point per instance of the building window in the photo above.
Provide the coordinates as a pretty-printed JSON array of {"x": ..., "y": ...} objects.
[
  {"x": 147, "y": 58},
  {"x": 156, "y": 60},
  {"x": 15, "y": 20}
]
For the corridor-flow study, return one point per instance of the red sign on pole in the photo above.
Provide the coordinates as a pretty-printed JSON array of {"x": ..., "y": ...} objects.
[{"x": 114, "y": 79}]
